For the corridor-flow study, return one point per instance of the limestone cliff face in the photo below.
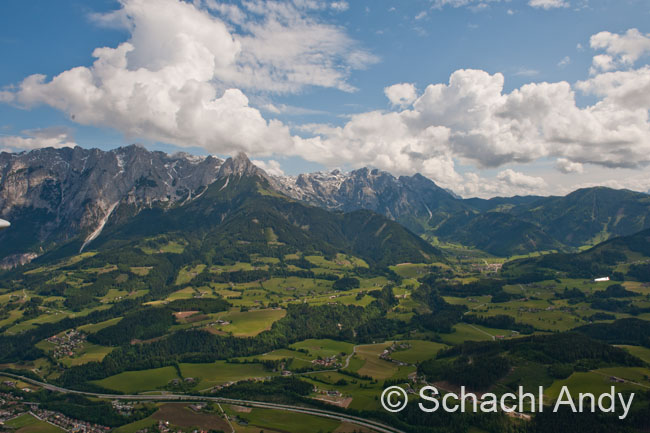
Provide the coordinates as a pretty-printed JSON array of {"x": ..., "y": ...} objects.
[{"x": 53, "y": 195}]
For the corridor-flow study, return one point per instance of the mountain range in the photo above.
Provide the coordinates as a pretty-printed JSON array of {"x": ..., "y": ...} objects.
[
  {"x": 241, "y": 214},
  {"x": 55, "y": 196}
]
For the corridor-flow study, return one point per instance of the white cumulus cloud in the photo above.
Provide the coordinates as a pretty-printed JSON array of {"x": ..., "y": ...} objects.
[
  {"x": 178, "y": 78},
  {"x": 272, "y": 167},
  {"x": 520, "y": 180},
  {"x": 566, "y": 166},
  {"x": 56, "y": 137},
  {"x": 627, "y": 90},
  {"x": 401, "y": 94},
  {"x": 622, "y": 50}
]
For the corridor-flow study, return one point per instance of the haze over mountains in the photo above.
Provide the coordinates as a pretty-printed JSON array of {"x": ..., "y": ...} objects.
[{"x": 52, "y": 196}]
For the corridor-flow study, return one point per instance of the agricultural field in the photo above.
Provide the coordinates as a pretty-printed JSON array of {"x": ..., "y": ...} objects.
[
  {"x": 237, "y": 266},
  {"x": 180, "y": 415},
  {"x": 137, "y": 425},
  {"x": 280, "y": 354},
  {"x": 285, "y": 421},
  {"x": 170, "y": 247},
  {"x": 95, "y": 327},
  {"x": 378, "y": 368},
  {"x": 88, "y": 353},
  {"x": 324, "y": 348},
  {"x": 248, "y": 323},
  {"x": 349, "y": 297},
  {"x": 186, "y": 293},
  {"x": 218, "y": 373},
  {"x": 54, "y": 316},
  {"x": 26, "y": 423},
  {"x": 341, "y": 261},
  {"x": 593, "y": 382},
  {"x": 296, "y": 286},
  {"x": 133, "y": 382},
  {"x": 410, "y": 270},
  {"x": 640, "y": 352},
  {"x": 467, "y": 332},
  {"x": 363, "y": 392},
  {"x": 419, "y": 351},
  {"x": 141, "y": 270},
  {"x": 634, "y": 375},
  {"x": 186, "y": 275}
]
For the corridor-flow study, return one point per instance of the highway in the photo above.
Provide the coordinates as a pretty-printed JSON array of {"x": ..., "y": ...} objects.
[{"x": 374, "y": 425}]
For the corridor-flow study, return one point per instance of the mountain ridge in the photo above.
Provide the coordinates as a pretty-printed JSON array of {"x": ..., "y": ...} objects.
[
  {"x": 241, "y": 210},
  {"x": 54, "y": 195}
]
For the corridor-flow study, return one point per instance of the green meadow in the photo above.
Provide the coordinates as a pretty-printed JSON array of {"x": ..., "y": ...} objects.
[
  {"x": 287, "y": 421},
  {"x": 26, "y": 423},
  {"x": 324, "y": 348},
  {"x": 220, "y": 372},
  {"x": 419, "y": 351},
  {"x": 89, "y": 353},
  {"x": 590, "y": 381},
  {"x": 132, "y": 382},
  {"x": 249, "y": 323}
]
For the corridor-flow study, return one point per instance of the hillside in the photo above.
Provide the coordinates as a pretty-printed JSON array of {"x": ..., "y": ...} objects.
[
  {"x": 589, "y": 215},
  {"x": 242, "y": 211},
  {"x": 521, "y": 225},
  {"x": 497, "y": 233},
  {"x": 623, "y": 257}
]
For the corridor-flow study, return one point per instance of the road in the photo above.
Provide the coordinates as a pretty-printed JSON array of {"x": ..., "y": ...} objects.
[
  {"x": 376, "y": 426},
  {"x": 347, "y": 360}
]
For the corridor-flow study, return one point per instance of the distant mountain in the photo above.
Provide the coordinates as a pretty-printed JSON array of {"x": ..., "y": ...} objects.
[
  {"x": 619, "y": 257},
  {"x": 516, "y": 225},
  {"x": 588, "y": 215},
  {"x": 52, "y": 195},
  {"x": 502, "y": 225},
  {"x": 414, "y": 201},
  {"x": 498, "y": 233}
]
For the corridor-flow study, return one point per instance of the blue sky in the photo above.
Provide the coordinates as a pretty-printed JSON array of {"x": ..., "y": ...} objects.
[{"x": 498, "y": 97}]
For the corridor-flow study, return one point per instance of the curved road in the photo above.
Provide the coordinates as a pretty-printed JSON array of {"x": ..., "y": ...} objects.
[{"x": 377, "y": 426}]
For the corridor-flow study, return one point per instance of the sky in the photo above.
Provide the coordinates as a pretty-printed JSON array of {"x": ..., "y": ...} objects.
[{"x": 484, "y": 97}]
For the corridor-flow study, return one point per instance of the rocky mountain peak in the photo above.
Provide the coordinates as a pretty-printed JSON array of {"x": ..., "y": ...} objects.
[
  {"x": 240, "y": 165},
  {"x": 411, "y": 200}
]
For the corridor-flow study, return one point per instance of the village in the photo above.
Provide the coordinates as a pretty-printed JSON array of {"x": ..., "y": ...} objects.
[
  {"x": 13, "y": 406},
  {"x": 329, "y": 362},
  {"x": 66, "y": 343}
]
